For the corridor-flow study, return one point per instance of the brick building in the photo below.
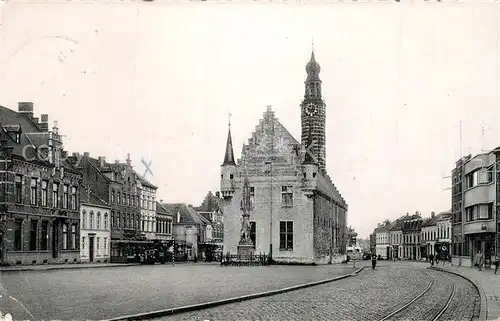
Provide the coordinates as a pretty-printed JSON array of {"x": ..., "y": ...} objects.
[
  {"x": 116, "y": 184},
  {"x": 298, "y": 215},
  {"x": 39, "y": 206}
]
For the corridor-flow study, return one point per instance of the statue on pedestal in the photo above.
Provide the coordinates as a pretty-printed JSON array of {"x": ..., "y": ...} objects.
[{"x": 245, "y": 246}]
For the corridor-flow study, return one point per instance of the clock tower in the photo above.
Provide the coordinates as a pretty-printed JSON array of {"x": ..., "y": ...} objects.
[{"x": 313, "y": 116}]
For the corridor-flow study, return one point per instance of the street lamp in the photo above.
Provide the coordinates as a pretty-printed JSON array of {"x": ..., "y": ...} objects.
[{"x": 270, "y": 163}]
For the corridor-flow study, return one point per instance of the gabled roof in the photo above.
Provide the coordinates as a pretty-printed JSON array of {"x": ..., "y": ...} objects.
[
  {"x": 204, "y": 220},
  {"x": 160, "y": 209},
  {"x": 187, "y": 214},
  {"x": 92, "y": 199}
]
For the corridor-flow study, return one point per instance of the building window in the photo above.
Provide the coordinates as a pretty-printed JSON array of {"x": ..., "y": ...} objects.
[
  {"x": 33, "y": 235},
  {"x": 55, "y": 195},
  {"x": 97, "y": 245},
  {"x": 143, "y": 225},
  {"x": 65, "y": 196},
  {"x": 252, "y": 232},
  {"x": 129, "y": 221},
  {"x": 113, "y": 197},
  {"x": 84, "y": 219},
  {"x": 106, "y": 221},
  {"x": 83, "y": 243},
  {"x": 44, "y": 237},
  {"x": 73, "y": 237},
  {"x": 113, "y": 219},
  {"x": 286, "y": 196},
  {"x": 91, "y": 220},
  {"x": 33, "y": 188},
  {"x": 471, "y": 179},
  {"x": 252, "y": 196},
  {"x": 73, "y": 198},
  {"x": 17, "y": 235},
  {"x": 65, "y": 236},
  {"x": 105, "y": 245},
  {"x": 286, "y": 235},
  {"x": 98, "y": 220},
  {"x": 118, "y": 223},
  {"x": 44, "y": 193},
  {"x": 19, "y": 188}
]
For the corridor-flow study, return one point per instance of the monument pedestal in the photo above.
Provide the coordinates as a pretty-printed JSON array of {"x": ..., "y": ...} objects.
[{"x": 245, "y": 250}]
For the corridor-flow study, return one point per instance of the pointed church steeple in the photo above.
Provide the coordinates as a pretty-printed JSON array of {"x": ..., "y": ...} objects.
[{"x": 229, "y": 155}]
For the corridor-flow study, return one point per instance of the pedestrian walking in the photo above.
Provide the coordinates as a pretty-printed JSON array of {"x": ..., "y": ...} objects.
[
  {"x": 374, "y": 261},
  {"x": 436, "y": 259},
  {"x": 431, "y": 259},
  {"x": 496, "y": 264},
  {"x": 479, "y": 260}
]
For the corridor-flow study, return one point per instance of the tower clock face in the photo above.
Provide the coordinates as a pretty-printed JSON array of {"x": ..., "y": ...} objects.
[{"x": 311, "y": 109}]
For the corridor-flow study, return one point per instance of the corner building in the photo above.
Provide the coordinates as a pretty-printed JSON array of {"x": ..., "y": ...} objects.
[{"x": 298, "y": 214}]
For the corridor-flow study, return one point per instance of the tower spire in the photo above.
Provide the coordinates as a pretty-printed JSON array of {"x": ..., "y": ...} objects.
[{"x": 229, "y": 155}]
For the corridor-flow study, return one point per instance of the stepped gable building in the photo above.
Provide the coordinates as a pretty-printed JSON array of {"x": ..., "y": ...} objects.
[
  {"x": 39, "y": 211},
  {"x": 298, "y": 214}
]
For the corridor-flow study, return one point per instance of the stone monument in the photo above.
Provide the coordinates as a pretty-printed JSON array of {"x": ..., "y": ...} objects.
[{"x": 245, "y": 246}]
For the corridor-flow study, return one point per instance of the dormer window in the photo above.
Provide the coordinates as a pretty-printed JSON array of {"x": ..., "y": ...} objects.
[{"x": 18, "y": 138}]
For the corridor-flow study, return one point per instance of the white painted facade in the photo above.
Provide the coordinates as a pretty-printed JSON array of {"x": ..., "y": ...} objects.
[
  {"x": 429, "y": 236},
  {"x": 148, "y": 209},
  {"x": 382, "y": 239},
  {"x": 95, "y": 233}
]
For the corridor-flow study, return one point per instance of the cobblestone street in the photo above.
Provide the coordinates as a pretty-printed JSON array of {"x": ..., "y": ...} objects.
[
  {"x": 369, "y": 296},
  {"x": 83, "y": 294}
]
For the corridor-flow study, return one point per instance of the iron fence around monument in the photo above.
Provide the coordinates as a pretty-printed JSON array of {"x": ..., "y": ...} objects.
[{"x": 245, "y": 260}]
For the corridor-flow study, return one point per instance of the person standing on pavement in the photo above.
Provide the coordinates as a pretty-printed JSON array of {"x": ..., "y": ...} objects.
[
  {"x": 479, "y": 260},
  {"x": 496, "y": 264},
  {"x": 431, "y": 259},
  {"x": 374, "y": 261}
]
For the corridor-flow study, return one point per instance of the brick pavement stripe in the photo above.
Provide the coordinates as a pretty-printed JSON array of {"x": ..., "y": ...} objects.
[{"x": 196, "y": 307}]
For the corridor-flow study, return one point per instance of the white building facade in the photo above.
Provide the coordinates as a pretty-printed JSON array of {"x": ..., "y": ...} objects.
[
  {"x": 148, "y": 208},
  {"x": 383, "y": 243},
  {"x": 95, "y": 232}
]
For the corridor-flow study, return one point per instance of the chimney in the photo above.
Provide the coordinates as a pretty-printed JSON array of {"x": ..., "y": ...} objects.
[
  {"x": 117, "y": 161},
  {"x": 26, "y": 108},
  {"x": 433, "y": 214},
  {"x": 102, "y": 161},
  {"x": 85, "y": 154},
  {"x": 129, "y": 161},
  {"x": 35, "y": 120},
  {"x": 44, "y": 122},
  {"x": 64, "y": 154}
]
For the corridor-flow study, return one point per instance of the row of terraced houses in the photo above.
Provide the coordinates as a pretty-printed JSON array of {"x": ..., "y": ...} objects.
[
  {"x": 61, "y": 208},
  {"x": 472, "y": 224},
  {"x": 413, "y": 237}
]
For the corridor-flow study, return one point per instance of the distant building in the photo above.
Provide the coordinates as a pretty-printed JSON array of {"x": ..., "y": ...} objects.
[
  {"x": 164, "y": 223},
  {"x": 186, "y": 230},
  {"x": 475, "y": 195},
  {"x": 382, "y": 237},
  {"x": 147, "y": 196},
  {"x": 298, "y": 214},
  {"x": 429, "y": 236},
  {"x": 396, "y": 238},
  {"x": 39, "y": 205},
  {"x": 412, "y": 227}
]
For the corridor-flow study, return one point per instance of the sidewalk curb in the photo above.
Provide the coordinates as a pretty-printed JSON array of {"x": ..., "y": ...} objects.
[
  {"x": 76, "y": 267},
  {"x": 200, "y": 306},
  {"x": 483, "y": 314}
]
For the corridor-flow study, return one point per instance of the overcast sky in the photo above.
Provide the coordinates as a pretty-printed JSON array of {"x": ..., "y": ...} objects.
[{"x": 158, "y": 79}]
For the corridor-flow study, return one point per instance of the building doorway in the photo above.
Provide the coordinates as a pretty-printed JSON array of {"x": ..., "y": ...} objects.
[
  {"x": 91, "y": 248},
  {"x": 55, "y": 240}
]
